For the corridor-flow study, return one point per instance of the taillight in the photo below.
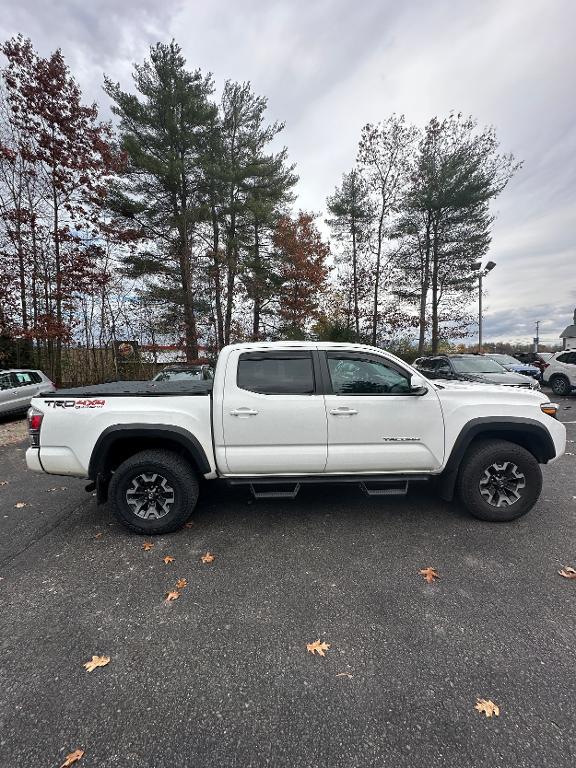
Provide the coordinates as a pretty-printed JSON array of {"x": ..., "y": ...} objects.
[{"x": 34, "y": 424}]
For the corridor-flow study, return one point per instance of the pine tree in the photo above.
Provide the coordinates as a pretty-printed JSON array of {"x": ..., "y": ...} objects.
[
  {"x": 351, "y": 217},
  {"x": 164, "y": 129}
]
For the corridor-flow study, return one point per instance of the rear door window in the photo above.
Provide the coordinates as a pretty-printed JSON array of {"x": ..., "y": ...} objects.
[
  {"x": 23, "y": 378},
  {"x": 276, "y": 374}
]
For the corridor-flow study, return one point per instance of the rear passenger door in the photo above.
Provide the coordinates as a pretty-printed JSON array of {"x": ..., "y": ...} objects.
[{"x": 274, "y": 420}]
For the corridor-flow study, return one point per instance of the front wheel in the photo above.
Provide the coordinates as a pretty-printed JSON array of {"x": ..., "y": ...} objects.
[
  {"x": 154, "y": 492},
  {"x": 499, "y": 481}
]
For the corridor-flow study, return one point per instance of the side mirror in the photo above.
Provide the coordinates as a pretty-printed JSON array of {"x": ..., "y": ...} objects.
[{"x": 418, "y": 385}]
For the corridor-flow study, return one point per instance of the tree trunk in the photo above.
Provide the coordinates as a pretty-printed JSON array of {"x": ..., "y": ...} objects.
[
  {"x": 355, "y": 281},
  {"x": 257, "y": 296},
  {"x": 425, "y": 287},
  {"x": 435, "y": 328},
  {"x": 377, "y": 277},
  {"x": 217, "y": 280},
  {"x": 231, "y": 262},
  {"x": 58, "y": 265}
]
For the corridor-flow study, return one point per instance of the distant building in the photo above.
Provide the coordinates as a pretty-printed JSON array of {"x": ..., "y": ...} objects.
[{"x": 568, "y": 335}]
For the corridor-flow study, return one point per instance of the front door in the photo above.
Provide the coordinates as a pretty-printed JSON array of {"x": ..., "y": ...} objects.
[
  {"x": 274, "y": 420},
  {"x": 375, "y": 422}
]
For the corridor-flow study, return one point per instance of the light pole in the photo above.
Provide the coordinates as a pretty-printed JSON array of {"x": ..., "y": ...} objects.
[{"x": 481, "y": 274}]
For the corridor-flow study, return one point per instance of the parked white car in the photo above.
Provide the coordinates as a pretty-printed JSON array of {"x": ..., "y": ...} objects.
[
  {"x": 17, "y": 388},
  {"x": 560, "y": 372},
  {"x": 281, "y": 414}
]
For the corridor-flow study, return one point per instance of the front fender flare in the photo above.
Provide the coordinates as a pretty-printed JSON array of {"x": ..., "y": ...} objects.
[{"x": 529, "y": 433}]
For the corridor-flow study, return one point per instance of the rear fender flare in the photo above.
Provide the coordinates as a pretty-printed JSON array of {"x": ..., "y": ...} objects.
[{"x": 112, "y": 435}]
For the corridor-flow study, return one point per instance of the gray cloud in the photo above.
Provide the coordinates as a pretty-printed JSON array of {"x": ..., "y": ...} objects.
[{"x": 330, "y": 66}]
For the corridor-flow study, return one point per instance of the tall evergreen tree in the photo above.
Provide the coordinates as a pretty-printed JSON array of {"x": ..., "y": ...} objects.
[
  {"x": 253, "y": 184},
  {"x": 351, "y": 217},
  {"x": 164, "y": 129}
]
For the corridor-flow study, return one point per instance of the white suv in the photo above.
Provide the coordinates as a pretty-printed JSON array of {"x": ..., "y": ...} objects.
[{"x": 560, "y": 372}]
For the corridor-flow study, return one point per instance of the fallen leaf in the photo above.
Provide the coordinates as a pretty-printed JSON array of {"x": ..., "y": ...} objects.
[
  {"x": 147, "y": 546},
  {"x": 189, "y": 525},
  {"x": 208, "y": 557},
  {"x": 73, "y": 757},
  {"x": 317, "y": 647},
  {"x": 488, "y": 707},
  {"x": 98, "y": 535},
  {"x": 173, "y": 595},
  {"x": 97, "y": 661},
  {"x": 344, "y": 674},
  {"x": 430, "y": 574},
  {"x": 20, "y": 504},
  {"x": 568, "y": 572},
  {"x": 181, "y": 583},
  {"x": 168, "y": 559}
]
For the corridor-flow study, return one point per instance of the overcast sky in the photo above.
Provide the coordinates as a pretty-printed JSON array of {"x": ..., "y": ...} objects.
[{"x": 329, "y": 66}]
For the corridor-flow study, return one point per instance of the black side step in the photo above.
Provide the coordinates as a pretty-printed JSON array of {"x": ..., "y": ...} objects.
[
  {"x": 398, "y": 488},
  {"x": 286, "y": 494}
]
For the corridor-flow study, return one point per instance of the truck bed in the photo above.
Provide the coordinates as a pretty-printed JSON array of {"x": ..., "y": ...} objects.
[{"x": 136, "y": 389}]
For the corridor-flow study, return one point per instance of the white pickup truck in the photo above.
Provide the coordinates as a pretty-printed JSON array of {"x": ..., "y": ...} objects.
[{"x": 281, "y": 414}]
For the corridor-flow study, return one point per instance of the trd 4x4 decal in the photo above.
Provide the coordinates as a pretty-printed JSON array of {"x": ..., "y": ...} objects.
[{"x": 75, "y": 403}]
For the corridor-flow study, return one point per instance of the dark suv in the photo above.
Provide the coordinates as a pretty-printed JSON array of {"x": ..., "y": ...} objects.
[{"x": 472, "y": 368}]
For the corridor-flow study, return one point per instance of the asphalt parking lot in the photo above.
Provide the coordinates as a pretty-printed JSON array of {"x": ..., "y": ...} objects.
[{"x": 221, "y": 676}]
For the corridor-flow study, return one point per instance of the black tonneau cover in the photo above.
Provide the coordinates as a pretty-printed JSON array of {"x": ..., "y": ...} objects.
[{"x": 136, "y": 389}]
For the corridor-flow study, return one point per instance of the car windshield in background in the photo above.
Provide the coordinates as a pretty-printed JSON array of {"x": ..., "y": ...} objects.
[
  {"x": 476, "y": 365},
  {"x": 505, "y": 359},
  {"x": 186, "y": 375}
]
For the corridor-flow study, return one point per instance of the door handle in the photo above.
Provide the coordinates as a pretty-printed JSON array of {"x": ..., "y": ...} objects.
[
  {"x": 242, "y": 412},
  {"x": 343, "y": 411}
]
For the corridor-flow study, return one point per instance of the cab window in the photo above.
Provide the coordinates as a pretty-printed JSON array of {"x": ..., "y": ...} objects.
[
  {"x": 276, "y": 374},
  {"x": 365, "y": 376}
]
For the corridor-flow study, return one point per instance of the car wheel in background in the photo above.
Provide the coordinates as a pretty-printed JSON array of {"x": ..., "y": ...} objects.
[{"x": 560, "y": 385}]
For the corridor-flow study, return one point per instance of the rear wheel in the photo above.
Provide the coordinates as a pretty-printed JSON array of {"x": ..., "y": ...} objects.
[
  {"x": 499, "y": 481},
  {"x": 560, "y": 385},
  {"x": 154, "y": 492}
]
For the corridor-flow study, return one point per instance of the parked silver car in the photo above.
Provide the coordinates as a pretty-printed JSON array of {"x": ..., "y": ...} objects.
[{"x": 18, "y": 386}]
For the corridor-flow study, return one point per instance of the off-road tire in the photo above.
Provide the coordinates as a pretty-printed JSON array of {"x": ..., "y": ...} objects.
[
  {"x": 179, "y": 477},
  {"x": 477, "y": 467},
  {"x": 560, "y": 385}
]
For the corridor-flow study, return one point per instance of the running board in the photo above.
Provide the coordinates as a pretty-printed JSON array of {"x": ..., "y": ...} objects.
[
  {"x": 288, "y": 494},
  {"x": 386, "y": 489}
]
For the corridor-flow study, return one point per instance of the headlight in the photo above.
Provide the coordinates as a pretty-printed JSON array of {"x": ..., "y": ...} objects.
[{"x": 550, "y": 408}]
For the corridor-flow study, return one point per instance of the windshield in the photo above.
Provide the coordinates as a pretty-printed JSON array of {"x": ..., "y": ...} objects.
[
  {"x": 189, "y": 373},
  {"x": 505, "y": 359},
  {"x": 476, "y": 365}
]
